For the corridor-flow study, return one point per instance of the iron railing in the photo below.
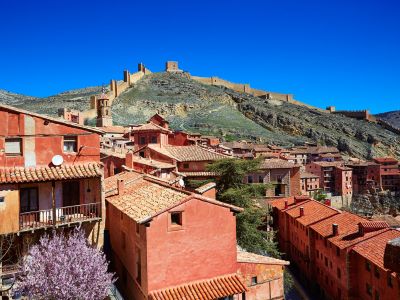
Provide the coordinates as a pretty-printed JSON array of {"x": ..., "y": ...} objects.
[{"x": 59, "y": 216}]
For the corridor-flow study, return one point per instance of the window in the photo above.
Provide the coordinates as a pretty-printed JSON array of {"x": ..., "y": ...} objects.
[
  {"x": 337, "y": 251},
  {"x": 249, "y": 179},
  {"x": 389, "y": 280},
  {"x": 186, "y": 165},
  {"x": 1, "y": 199},
  {"x": 377, "y": 295},
  {"x": 138, "y": 266},
  {"x": 141, "y": 154},
  {"x": 13, "y": 146},
  {"x": 123, "y": 240},
  {"x": 142, "y": 140},
  {"x": 367, "y": 266},
  {"x": 254, "y": 280},
  {"x": 326, "y": 261},
  {"x": 70, "y": 144},
  {"x": 176, "y": 218},
  {"x": 260, "y": 179},
  {"x": 339, "y": 273},
  {"x": 153, "y": 140},
  {"x": 376, "y": 272},
  {"x": 368, "y": 289},
  {"x": 29, "y": 200}
]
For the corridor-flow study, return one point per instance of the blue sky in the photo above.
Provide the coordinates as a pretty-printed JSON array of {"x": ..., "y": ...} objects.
[{"x": 343, "y": 53}]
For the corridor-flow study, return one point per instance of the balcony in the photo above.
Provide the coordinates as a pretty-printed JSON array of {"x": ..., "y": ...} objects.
[{"x": 60, "y": 216}]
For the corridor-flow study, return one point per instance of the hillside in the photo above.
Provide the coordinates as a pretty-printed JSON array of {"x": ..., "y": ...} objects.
[
  {"x": 392, "y": 117},
  {"x": 195, "y": 107}
]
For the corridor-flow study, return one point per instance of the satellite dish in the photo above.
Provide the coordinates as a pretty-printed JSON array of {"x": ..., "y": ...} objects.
[
  {"x": 57, "y": 160},
  {"x": 181, "y": 183}
]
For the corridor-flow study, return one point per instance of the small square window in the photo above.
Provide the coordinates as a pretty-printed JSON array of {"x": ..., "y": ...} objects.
[
  {"x": 70, "y": 144},
  {"x": 368, "y": 288},
  {"x": 13, "y": 146},
  {"x": 1, "y": 199},
  {"x": 367, "y": 266},
  {"x": 142, "y": 140},
  {"x": 153, "y": 140},
  {"x": 249, "y": 179},
  {"x": 376, "y": 272},
  {"x": 186, "y": 165},
  {"x": 254, "y": 280},
  {"x": 176, "y": 218}
]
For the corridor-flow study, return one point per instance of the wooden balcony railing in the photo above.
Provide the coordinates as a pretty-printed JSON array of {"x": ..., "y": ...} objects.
[{"x": 59, "y": 216}]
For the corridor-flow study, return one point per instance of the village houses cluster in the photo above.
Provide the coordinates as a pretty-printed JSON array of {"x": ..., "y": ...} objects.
[{"x": 128, "y": 188}]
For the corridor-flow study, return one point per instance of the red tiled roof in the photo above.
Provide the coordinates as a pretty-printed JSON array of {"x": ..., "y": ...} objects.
[
  {"x": 198, "y": 174},
  {"x": 188, "y": 153},
  {"x": 347, "y": 222},
  {"x": 368, "y": 226},
  {"x": 385, "y": 160},
  {"x": 352, "y": 237},
  {"x": 215, "y": 288},
  {"x": 40, "y": 174},
  {"x": 313, "y": 211},
  {"x": 373, "y": 249},
  {"x": 146, "y": 197},
  {"x": 150, "y": 127},
  {"x": 276, "y": 163},
  {"x": 110, "y": 183},
  {"x": 280, "y": 203},
  {"x": 308, "y": 175},
  {"x": 205, "y": 187},
  {"x": 248, "y": 257}
]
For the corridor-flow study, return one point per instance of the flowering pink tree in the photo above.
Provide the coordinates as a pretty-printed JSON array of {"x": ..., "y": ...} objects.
[{"x": 65, "y": 267}]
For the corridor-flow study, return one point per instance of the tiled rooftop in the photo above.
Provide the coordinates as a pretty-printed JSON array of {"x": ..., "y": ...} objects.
[
  {"x": 198, "y": 174},
  {"x": 308, "y": 175},
  {"x": 209, "y": 289},
  {"x": 188, "y": 153},
  {"x": 147, "y": 197},
  {"x": 247, "y": 257},
  {"x": 347, "y": 222},
  {"x": 352, "y": 237},
  {"x": 313, "y": 211},
  {"x": 280, "y": 203},
  {"x": 205, "y": 187},
  {"x": 40, "y": 174},
  {"x": 373, "y": 249},
  {"x": 276, "y": 163},
  {"x": 110, "y": 183},
  {"x": 149, "y": 127}
]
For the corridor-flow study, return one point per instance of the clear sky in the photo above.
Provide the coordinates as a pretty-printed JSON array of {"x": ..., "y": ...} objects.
[{"x": 342, "y": 53}]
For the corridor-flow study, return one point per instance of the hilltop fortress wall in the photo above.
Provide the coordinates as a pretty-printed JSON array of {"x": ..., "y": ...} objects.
[{"x": 243, "y": 88}]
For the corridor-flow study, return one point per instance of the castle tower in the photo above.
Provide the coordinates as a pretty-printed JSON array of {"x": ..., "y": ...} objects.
[{"x": 104, "y": 117}]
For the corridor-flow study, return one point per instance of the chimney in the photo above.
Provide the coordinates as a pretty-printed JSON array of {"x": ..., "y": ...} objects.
[
  {"x": 286, "y": 204},
  {"x": 360, "y": 229},
  {"x": 129, "y": 160},
  {"x": 335, "y": 229},
  {"x": 301, "y": 211},
  {"x": 120, "y": 186}
]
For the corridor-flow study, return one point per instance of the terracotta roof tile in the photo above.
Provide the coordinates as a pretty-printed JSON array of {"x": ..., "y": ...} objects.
[
  {"x": 147, "y": 197},
  {"x": 276, "y": 163},
  {"x": 347, "y": 222},
  {"x": 188, "y": 153},
  {"x": 280, "y": 203},
  {"x": 314, "y": 211},
  {"x": 37, "y": 174},
  {"x": 373, "y": 249},
  {"x": 209, "y": 289},
  {"x": 308, "y": 175},
  {"x": 149, "y": 127},
  {"x": 247, "y": 257},
  {"x": 110, "y": 183},
  {"x": 198, "y": 174}
]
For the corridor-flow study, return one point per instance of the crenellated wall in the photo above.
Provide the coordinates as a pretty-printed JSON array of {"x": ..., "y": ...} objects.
[{"x": 243, "y": 88}]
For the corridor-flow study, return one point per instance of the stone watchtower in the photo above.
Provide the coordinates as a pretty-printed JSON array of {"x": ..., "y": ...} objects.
[{"x": 104, "y": 117}]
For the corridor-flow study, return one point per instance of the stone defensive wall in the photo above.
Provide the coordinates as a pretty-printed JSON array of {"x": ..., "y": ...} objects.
[
  {"x": 243, "y": 88},
  {"x": 388, "y": 126},
  {"x": 356, "y": 114}
]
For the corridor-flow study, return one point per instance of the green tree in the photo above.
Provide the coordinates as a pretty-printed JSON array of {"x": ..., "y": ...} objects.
[{"x": 232, "y": 190}]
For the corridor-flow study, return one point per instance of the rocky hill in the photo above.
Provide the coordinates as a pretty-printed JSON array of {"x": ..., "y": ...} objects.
[
  {"x": 392, "y": 117},
  {"x": 192, "y": 106}
]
